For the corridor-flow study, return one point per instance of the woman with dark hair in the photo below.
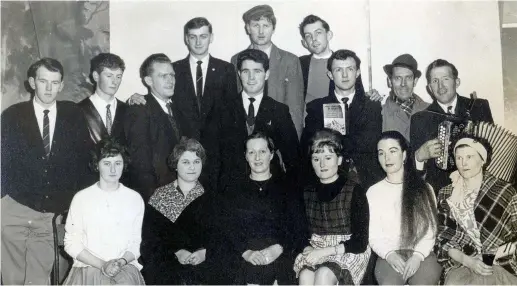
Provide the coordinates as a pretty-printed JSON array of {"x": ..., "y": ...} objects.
[
  {"x": 258, "y": 219},
  {"x": 103, "y": 227},
  {"x": 337, "y": 213},
  {"x": 174, "y": 236},
  {"x": 477, "y": 221},
  {"x": 402, "y": 218}
]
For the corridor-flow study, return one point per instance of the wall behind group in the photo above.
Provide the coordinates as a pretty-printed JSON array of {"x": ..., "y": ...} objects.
[{"x": 465, "y": 33}]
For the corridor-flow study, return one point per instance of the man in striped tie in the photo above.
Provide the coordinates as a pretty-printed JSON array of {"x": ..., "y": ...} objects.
[{"x": 45, "y": 156}]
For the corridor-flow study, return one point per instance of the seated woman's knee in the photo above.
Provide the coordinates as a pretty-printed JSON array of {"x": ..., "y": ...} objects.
[{"x": 324, "y": 276}]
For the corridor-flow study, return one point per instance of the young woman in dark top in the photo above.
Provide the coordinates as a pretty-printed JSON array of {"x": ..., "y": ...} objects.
[
  {"x": 258, "y": 216},
  {"x": 337, "y": 213}
]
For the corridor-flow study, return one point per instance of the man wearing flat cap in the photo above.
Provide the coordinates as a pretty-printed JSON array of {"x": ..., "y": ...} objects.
[
  {"x": 402, "y": 103},
  {"x": 285, "y": 83}
]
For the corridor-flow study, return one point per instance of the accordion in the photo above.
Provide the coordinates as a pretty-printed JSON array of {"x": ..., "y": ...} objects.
[{"x": 503, "y": 142}]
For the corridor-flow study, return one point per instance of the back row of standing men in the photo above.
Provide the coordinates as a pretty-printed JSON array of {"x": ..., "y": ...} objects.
[{"x": 45, "y": 143}]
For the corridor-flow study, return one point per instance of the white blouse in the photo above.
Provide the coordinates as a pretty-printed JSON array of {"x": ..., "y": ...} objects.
[
  {"x": 106, "y": 223},
  {"x": 385, "y": 203}
]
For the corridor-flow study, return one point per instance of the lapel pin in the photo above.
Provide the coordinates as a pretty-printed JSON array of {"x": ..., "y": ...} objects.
[
  {"x": 269, "y": 123},
  {"x": 213, "y": 69}
]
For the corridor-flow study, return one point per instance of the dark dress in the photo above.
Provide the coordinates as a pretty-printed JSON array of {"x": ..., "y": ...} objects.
[
  {"x": 256, "y": 215},
  {"x": 162, "y": 238}
]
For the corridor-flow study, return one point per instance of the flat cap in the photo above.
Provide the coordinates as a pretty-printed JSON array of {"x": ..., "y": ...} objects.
[{"x": 258, "y": 12}]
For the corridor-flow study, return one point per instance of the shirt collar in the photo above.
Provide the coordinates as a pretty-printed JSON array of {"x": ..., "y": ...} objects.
[
  {"x": 258, "y": 97},
  {"x": 193, "y": 60},
  {"x": 98, "y": 100},
  {"x": 39, "y": 109},
  {"x": 453, "y": 104},
  {"x": 350, "y": 97},
  {"x": 267, "y": 51},
  {"x": 162, "y": 103},
  {"x": 322, "y": 57}
]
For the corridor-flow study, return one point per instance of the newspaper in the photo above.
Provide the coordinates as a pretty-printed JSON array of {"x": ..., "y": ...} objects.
[{"x": 334, "y": 117}]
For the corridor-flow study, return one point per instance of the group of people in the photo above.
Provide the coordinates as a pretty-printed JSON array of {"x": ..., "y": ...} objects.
[{"x": 225, "y": 173}]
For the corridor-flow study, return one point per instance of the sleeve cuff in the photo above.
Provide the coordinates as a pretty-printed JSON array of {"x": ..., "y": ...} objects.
[
  {"x": 419, "y": 255},
  {"x": 419, "y": 165}
]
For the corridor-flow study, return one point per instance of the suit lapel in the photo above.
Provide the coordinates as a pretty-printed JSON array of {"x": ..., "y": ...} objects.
[
  {"x": 240, "y": 114},
  {"x": 119, "y": 116},
  {"x": 263, "y": 119},
  {"x": 58, "y": 129},
  {"x": 33, "y": 132},
  {"x": 211, "y": 73},
  {"x": 274, "y": 61}
]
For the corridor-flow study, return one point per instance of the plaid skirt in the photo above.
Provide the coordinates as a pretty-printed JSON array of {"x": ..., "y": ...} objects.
[{"x": 356, "y": 264}]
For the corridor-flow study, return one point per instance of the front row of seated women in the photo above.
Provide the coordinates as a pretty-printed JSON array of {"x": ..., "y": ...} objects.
[{"x": 259, "y": 229}]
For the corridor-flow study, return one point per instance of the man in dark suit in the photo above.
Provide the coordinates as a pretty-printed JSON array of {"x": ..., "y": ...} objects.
[
  {"x": 442, "y": 82},
  {"x": 153, "y": 129},
  {"x": 316, "y": 35},
  {"x": 105, "y": 113},
  {"x": 285, "y": 82},
  {"x": 45, "y": 156},
  {"x": 254, "y": 110},
  {"x": 364, "y": 117}
]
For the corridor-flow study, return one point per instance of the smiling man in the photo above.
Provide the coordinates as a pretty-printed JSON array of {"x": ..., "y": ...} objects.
[
  {"x": 285, "y": 83},
  {"x": 103, "y": 111}
]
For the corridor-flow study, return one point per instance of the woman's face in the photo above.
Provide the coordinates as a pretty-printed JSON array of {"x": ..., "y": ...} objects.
[
  {"x": 111, "y": 168},
  {"x": 391, "y": 157},
  {"x": 189, "y": 167},
  {"x": 468, "y": 162},
  {"x": 258, "y": 156},
  {"x": 325, "y": 164}
]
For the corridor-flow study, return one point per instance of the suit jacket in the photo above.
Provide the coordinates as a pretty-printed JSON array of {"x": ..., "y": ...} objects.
[
  {"x": 305, "y": 63},
  {"x": 150, "y": 139},
  {"x": 424, "y": 127},
  {"x": 360, "y": 144},
  {"x": 394, "y": 118},
  {"x": 96, "y": 125},
  {"x": 45, "y": 184},
  {"x": 274, "y": 119},
  {"x": 285, "y": 83}
]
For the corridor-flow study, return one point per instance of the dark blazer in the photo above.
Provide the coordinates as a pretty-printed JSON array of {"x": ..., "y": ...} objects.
[
  {"x": 150, "y": 140},
  {"x": 424, "y": 127},
  {"x": 274, "y": 119},
  {"x": 220, "y": 88},
  {"x": 360, "y": 144},
  {"x": 28, "y": 176},
  {"x": 96, "y": 126},
  {"x": 305, "y": 62}
]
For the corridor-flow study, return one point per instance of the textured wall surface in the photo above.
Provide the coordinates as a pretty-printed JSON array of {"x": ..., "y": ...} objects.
[{"x": 71, "y": 32}]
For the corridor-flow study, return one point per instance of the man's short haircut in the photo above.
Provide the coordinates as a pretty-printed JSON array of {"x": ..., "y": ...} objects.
[
  {"x": 50, "y": 64},
  {"x": 440, "y": 63},
  {"x": 186, "y": 144},
  {"x": 196, "y": 23},
  {"x": 343, "y": 55},
  {"x": 255, "y": 55},
  {"x": 311, "y": 19},
  {"x": 106, "y": 60},
  {"x": 147, "y": 66},
  {"x": 258, "y": 12}
]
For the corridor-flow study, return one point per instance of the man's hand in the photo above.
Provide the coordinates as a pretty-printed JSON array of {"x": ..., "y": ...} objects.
[
  {"x": 430, "y": 149},
  {"x": 197, "y": 257},
  {"x": 477, "y": 266},
  {"x": 136, "y": 99},
  {"x": 183, "y": 255},
  {"x": 412, "y": 265},
  {"x": 374, "y": 95},
  {"x": 254, "y": 257},
  {"x": 396, "y": 262}
]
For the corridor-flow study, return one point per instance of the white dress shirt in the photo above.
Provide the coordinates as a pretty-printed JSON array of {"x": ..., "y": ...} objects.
[
  {"x": 106, "y": 223},
  {"x": 162, "y": 103},
  {"x": 193, "y": 69},
  {"x": 350, "y": 98},
  {"x": 385, "y": 203},
  {"x": 52, "y": 114},
  {"x": 446, "y": 106},
  {"x": 256, "y": 103},
  {"x": 100, "y": 104}
]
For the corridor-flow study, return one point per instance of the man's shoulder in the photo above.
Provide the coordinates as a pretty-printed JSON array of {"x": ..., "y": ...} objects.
[
  {"x": 319, "y": 102},
  {"x": 275, "y": 104},
  {"x": 288, "y": 55},
  {"x": 15, "y": 109},
  {"x": 219, "y": 62},
  {"x": 305, "y": 58}
]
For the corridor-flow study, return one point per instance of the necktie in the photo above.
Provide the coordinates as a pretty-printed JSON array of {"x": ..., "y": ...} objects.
[
  {"x": 345, "y": 102},
  {"x": 109, "y": 121},
  {"x": 199, "y": 84},
  {"x": 46, "y": 132},
  {"x": 449, "y": 110},
  {"x": 251, "y": 113},
  {"x": 172, "y": 120}
]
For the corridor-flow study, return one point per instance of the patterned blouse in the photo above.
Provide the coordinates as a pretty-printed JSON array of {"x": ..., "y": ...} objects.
[{"x": 170, "y": 201}]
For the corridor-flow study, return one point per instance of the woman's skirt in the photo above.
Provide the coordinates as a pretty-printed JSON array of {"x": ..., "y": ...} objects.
[
  {"x": 129, "y": 275},
  {"x": 356, "y": 264}
]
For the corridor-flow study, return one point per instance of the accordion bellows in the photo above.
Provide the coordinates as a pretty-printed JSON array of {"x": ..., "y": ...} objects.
[{"x": 503, "y": 142}]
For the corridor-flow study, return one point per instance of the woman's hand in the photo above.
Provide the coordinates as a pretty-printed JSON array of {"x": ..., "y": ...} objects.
[
  {"x": 396, "y": 262},
  {"x": 307, "y": 250},
  {"x": 254, "y": 257},
  {"x": 272, "y": 253},
  {"x": 183, "y": 255},
  {"x": 111, "y": 268},
  {"x": 197, "y": 257},
  {"x": 477, "y": 266},
  {"x": 316, "y": 254},
  {"x": 412, "y": 265}
]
